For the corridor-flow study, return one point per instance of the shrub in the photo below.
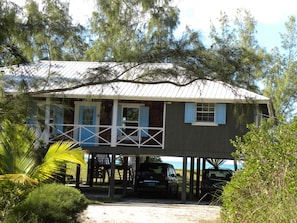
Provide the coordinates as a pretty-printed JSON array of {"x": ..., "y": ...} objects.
[
  {"x": 49, "y": 203},
  {"x": 11, "y": 194},
  {"x": 265, "y": 190}
]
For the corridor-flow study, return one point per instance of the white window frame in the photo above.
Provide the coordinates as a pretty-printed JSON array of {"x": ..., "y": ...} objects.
[
  {"x": 206, "y": 123},
  {"x": 130, "y": 105}
]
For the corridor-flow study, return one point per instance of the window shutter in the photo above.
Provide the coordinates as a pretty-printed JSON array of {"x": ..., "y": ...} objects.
[
  {"x": 220, "y": 116},
  {"x": 190, "y": 112},
  {"x": 144, "y": 120},
  {"x": 58, "y": 118}
]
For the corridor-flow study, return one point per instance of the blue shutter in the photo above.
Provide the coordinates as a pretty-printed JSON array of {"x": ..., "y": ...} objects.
[
  {"x": 144, "y": 119},
  {"x": 58, "y": 118},
  {"x": 220, "y": 115},
  {"x": 190, "y": 112}
]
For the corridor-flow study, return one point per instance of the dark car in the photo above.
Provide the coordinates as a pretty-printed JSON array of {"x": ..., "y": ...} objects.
[
  {"x": 157, "y": 177},
  {"x": 214, "y": 179}
]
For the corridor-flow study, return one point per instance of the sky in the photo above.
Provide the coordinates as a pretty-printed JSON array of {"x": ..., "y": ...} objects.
[{"x": 270, "y": 15}]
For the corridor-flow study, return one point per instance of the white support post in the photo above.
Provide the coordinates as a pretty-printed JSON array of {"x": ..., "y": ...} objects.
[
  {"x": 114, "y": 123},
  {"x": 164, "y": 123},
  {"x": 47, "y": 120}
]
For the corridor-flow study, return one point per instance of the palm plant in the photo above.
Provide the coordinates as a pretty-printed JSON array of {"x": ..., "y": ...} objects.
[
  {"x": 21, "y": 161},
  {"x": 216, "y": 163}
]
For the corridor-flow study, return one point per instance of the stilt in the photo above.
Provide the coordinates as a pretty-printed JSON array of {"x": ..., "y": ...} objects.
[
  {"x": 91, "y": 170},
  {"x": 77, "y": 176},
  {"x": 184, "y": 183},
  {"x": 111, "y": 190},
  {"x": 192, "y": 178},
  {"x": 235, "y": 165},
  {"x": 125, "y": 165},
  {"x": 198, "y": 182}
]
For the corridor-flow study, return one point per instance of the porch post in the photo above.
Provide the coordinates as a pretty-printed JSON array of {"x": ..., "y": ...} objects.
[
  {"x": 114, "y": 123},
  {"x": 164, "y": 124},
  {"x": 47, "y": 120},
  {"x": 184, "y": 183}
]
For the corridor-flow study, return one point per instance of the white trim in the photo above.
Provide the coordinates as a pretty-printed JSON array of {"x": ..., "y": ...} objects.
[
  {"x": 130, "y": 105},
  {"x": 114, "y": 123},
  {"x": 204, "y": 124},
  {"x": 47, "y": 119},
  {"x": 164, "y": 123}
]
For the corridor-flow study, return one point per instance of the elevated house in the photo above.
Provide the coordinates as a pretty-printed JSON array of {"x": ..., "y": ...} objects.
[{"x": 118, "y": 117}]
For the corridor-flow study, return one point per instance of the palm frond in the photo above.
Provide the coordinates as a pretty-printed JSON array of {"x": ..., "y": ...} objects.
[
  {"x": 18, "y": 178},
  {"x": 55, "y": 158},
  {"x": 216, "y": 163}
]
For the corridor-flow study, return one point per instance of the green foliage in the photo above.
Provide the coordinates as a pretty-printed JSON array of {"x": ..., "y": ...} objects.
[
  {"x": 39, "y": 30},
  {"x": 265, "y": 189},
  {"x": 20, "y": 160},
  {"x": 11, "y": 194},
  {"x": 124, "y": 30},
  {"x": 49, "y": 203},
  {"x": 280, "y": 81}
]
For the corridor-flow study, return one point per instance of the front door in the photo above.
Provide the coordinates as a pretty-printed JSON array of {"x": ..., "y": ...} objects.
[{"x": 87, "y": 118}]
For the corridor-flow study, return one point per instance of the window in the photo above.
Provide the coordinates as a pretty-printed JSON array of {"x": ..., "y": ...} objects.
[
  {"x": 205, "y": 112},
  {"x": 87, "y": 116},
  {"x": 133, "y": 119},
  {"x": 130, "y": 118}
]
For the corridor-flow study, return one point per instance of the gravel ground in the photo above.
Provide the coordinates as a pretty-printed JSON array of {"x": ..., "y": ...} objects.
[{"x": 150, "y": 211}]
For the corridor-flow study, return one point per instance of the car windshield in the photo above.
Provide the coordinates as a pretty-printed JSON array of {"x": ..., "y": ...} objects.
[
  {"x": 149, "y": 168},
  {"x": 219, "y": 174}
]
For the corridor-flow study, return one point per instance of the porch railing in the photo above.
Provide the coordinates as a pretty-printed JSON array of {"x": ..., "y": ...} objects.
[{"x": 101, "y": 135}]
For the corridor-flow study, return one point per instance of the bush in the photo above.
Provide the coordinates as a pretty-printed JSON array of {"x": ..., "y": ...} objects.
[
  {"x": 49, "y": 203},
  {"x": 265, "y": 190},
  {"x": 11, "y": 194}
]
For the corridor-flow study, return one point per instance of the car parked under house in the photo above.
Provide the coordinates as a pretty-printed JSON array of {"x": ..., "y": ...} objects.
[{"x": 133, "y": 119}]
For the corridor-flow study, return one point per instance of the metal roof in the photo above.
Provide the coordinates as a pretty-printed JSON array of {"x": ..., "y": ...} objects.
[{"x": 59, "y": 74}]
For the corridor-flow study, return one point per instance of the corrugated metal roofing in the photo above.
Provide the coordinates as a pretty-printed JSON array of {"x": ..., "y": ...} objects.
[{"x": 64, "y": 73}]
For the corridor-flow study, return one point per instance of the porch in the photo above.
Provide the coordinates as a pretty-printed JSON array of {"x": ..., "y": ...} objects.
[{"x": 107, "y": 135}]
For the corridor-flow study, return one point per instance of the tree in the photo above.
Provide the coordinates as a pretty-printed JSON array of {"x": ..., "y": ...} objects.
[
  {"x": 238, "y": 57},
  {"x": 125, "y": 30},
  {"x": 50, "y": 32},
  {"x": 22, "y": 162},
  {"x": 10, "y": 30},
  {"x": 280, "y": 81},
  {"x": 265, "y": 189},
  {"x": 39, "y": 32}
]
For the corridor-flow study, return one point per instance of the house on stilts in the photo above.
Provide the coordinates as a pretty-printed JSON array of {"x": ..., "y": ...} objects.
[{"x": 116, "y": 117}]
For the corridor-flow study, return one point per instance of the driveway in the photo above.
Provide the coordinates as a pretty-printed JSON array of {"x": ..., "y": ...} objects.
[{"x": 151, "y": 210}]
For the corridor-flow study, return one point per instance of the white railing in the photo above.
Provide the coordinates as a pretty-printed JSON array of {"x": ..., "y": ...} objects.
[{"x": 96, "y": 135}]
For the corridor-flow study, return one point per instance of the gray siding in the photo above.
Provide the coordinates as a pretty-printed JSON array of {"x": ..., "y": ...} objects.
[{"x": 201, "y": 141}]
